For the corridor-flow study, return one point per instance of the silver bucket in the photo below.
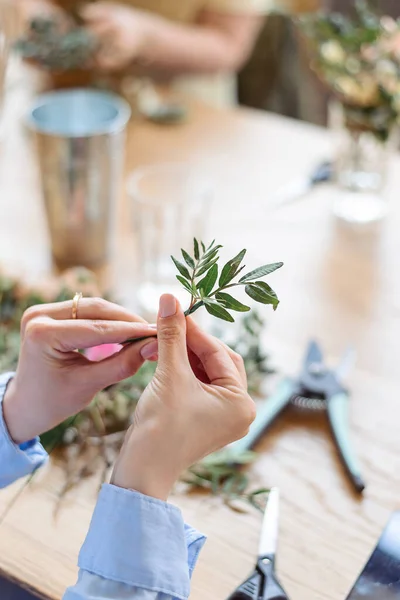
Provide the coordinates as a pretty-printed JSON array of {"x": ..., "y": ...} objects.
[{"x": 80, "y": 140}]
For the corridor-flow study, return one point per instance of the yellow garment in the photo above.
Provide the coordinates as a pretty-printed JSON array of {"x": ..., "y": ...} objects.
[
  {"x": 186, "y": 11},
  {"x": 218, "y": 89}
]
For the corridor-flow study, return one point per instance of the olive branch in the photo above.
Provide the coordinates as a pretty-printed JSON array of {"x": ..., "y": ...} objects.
[{"x": 210, "y": 290}]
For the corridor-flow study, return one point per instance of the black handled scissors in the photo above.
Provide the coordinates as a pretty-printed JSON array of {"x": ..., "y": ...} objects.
[
  {"x": 263, "y": 583},
  {"x": 316, "y": 388}
]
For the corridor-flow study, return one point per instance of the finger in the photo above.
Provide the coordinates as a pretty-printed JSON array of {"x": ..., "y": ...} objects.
[
  {"x": 88, "y": 308},
  {"x": 99, "y": 11},
  {"x": 102, "y": 29},
  {"x": 238, "y": 362},
  {"x": 68, "y": 335},
  {"x": 171, "y": 328},
  {"x": 117, "y": 367},
  {"x": 217, "y": 362},
  {"x": 110, "y": 62},
  {"x": 197, "y": 367}
]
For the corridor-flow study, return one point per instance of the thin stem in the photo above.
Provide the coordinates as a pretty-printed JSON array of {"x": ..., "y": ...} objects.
[
  {"x": 193, "y": 308},
  {"x": 139, "y": 339},
  {"x": 193, "y": 298},
  {"x": 225, "y": 287}
]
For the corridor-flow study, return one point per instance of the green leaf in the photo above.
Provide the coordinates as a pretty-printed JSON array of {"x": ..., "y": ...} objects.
[
  {"x": 229, "y": 301},
  {"x": 211, "y": 245},
  {"x": 196, "y": 249},
  {"x": 203, "y": 246},
  {"x": 188, "y": 259},
  {"x": 228, "y": 457},
  {"x": 206, "y": 267},
  {"x": 207, "y": 283},
  {"x": 210, "y": 254},
  {"x": 230, "y": 269},
  {"x": 260, "y": 272},
  {"x": 181, "y": 268},
  {"x": 193, "y": 309},
  {"x": 262, "y": 292},
  {"x": 214, "y": 309},
  {"x": 215, "y": 483},
  {"x": 260, "y": 491},
  {"x": 185, "y": 284}
]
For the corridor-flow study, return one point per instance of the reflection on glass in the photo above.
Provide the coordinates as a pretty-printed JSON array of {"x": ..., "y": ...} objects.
[{"x": 170, "y": 206}]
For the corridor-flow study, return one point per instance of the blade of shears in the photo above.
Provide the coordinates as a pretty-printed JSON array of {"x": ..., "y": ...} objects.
[
  {"x": 313, "y": 355},
  {"x": 346, "y": 363},
  {"x": 270, "y": 526}
]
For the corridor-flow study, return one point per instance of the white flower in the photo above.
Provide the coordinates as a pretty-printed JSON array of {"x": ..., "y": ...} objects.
[
  {"x": 396, "y": 104},
  {"x": 333, "y": 52},
  {"x": 388, "y": 76},
  {"x": 364, "y": 92},
  {"x": 389, "y": 24},
  {"x": 353, "y": 65}
]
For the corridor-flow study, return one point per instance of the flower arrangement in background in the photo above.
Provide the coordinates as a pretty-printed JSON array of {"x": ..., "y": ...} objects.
[{"x": 358, "y": 59}]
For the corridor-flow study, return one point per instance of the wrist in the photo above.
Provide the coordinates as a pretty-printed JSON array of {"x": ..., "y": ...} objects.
[
  {"x": 144, "y": 48},
  {"x": 143, "y": 467},
  {"x": 12, "y": 414}
]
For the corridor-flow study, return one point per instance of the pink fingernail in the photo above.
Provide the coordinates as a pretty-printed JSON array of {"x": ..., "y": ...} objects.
[
  {"x": 149, "y": 350},
  {"x": 152, "y": 325},
  {"x": 167, "y": 306}
]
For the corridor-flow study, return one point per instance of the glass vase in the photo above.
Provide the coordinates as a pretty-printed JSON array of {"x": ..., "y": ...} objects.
[{"x": 364, "y": 140}]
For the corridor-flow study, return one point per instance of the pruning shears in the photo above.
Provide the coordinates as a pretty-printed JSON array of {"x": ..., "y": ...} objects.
[{"x": 316, "y": 388}]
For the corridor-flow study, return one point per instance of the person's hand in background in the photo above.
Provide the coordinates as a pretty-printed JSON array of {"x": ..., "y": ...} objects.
[
  {"x": 196, "y": 403},
  {"x": 30, "y": 9},
  {"x": 54, "y": 381},
  {"x": 122, "y": 33}
]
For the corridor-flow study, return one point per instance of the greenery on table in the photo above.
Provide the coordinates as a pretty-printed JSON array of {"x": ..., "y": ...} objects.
[
  {"x": 57, "y": 45},
  {"x": 98, "y": 431},
  {"x": 358, "y": 58}
]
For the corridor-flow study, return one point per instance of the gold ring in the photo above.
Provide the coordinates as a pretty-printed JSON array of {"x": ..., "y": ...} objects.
[{"x": 75, "y": 303}]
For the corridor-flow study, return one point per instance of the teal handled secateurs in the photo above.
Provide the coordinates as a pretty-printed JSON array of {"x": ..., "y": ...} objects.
[{"x": 316, "y": 388}]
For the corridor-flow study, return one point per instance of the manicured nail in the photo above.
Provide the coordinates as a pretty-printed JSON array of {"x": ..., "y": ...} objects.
[
  {"x": 167, "y": 306},
  {"x": 152, "y": 326},
  {"x": 149, "y": 350}
]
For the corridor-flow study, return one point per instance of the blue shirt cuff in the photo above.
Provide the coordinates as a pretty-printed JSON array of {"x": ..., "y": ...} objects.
[
  {"x": 142, "y": 542},
  {"x": 16, "y": 461}
]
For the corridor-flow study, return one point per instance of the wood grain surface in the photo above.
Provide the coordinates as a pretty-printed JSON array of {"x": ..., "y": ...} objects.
[{"x": 338, "y": 285}]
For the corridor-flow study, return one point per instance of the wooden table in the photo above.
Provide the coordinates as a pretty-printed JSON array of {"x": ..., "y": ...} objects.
[{"x": 338, "y": 285}]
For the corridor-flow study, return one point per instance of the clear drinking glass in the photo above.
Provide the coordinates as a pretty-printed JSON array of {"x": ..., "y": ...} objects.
[
  {"x": 170, "y": 206},
  {"x": 4, "y": 49},
  {"x": 362, "y": 154}
]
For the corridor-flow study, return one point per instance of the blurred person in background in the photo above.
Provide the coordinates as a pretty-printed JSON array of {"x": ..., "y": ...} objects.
[
  {"x": 278, "y": 77},
  {"x": 200, "y": 43}
]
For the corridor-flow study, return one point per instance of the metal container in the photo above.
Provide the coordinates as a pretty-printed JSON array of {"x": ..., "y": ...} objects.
[{"x": 80, "y": 142}]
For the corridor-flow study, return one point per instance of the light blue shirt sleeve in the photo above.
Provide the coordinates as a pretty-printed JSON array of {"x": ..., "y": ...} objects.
[
  {"x": 16, "y": 461},
  {"x": 137, "y": 547}
]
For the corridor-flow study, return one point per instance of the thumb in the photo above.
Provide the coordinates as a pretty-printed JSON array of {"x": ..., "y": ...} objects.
[{"x": 171, "y": 333}]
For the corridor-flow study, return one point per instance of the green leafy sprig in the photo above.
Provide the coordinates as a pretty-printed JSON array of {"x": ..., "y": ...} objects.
[
  {"x": 200, "y": 276},
  {"x": 222, "y": 474},
  {"x": 56, "y": 48}
]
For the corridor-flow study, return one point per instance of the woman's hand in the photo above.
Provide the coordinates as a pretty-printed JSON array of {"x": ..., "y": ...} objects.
[
  {"x": 30, "y": 9},
  {"x": 123, "y": 33},
  {"x": 54, "y": 381},
  {"x": 196, "y": 403}
]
